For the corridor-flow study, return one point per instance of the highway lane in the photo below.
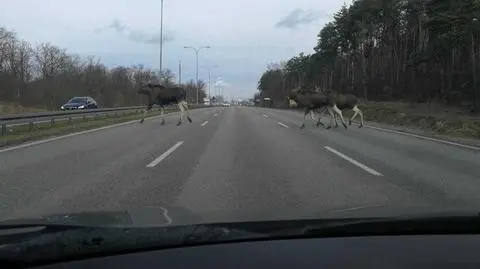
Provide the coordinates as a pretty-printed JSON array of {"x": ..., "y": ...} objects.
[
  {"x": 236, "y": 158},
  {"x": 444, "y": 174},
  {"x": 89, "y": 171}
]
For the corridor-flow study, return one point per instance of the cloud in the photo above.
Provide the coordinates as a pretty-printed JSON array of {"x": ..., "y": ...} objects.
[
  {"x": 221, "y": 83},
  {"x": 142, "y": 37},
  {"x": 117, "y": 25},
  {"x": 297, "y": 17},
  {"x": 137, "y": 35}
]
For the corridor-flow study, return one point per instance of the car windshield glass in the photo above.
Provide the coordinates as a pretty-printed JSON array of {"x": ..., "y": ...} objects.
[{"x": 78, "y": 100}]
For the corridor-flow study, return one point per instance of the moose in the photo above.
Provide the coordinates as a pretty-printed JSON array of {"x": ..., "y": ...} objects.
[
  {"x": 343, "y": 101},
  {"x": 312, "y": 100},
  {"x": 162, "y": 96}
]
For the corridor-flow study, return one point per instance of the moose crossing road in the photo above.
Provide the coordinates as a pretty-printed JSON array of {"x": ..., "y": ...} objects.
[{"x": 236, "y": 158}]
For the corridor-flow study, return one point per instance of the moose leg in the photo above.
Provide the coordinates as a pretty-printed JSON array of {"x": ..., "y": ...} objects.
[
  {"x": 185, "y": 105},
  {"x": 322, "y": 111},
  {"x": 162, "y": 115},
  {"x": 357, "y": 112},
  {"x": 336, "y": 120},
  {"x": 312, "y": 115},
  {"x": 355, "y": 109},
  {"x": 180, "y": 106},
  {"x": 145, "y": 112},
  {"x": 361, "y": 116},
  {"x": 307, "y": 109},
  {"x": 339, "y": 113},
  {"x": 332, "y": 116}
]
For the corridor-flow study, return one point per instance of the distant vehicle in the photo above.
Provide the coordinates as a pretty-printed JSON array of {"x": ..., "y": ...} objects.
[{"x": 85, "y": 102}]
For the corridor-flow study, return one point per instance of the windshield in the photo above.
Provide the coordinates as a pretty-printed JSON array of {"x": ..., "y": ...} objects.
[
  {"x": 78, "y": 100},
  {"x": 231, "y": 111}
]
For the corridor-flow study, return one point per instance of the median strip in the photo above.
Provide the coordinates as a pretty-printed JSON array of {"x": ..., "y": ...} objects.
[
  {"x": 65, "y": 131},
  {"x": 50, "y": 131}
]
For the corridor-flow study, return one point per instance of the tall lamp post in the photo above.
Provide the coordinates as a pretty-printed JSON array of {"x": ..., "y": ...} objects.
[
  {"x": 161, "y": 38},
  {"x": 197, "y": 50},
  {"x": 209, "y": 68},
  {"x": 474, "y": 71}
]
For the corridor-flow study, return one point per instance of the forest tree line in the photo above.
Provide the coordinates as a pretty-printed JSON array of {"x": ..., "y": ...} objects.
[
  {"x": 46, "y": 76},
  {"x": 390, "y": 50}
]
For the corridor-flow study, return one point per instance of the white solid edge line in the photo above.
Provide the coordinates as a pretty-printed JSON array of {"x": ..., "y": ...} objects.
[
  {"x": 356, "y": 208},
  {"x": 165, "y": 154},
  {"x": 421, "y": 137},
  {"x": 265, "y": 116},
  {"x": 364, "y": 167},
  {"x": 424, "y": 137},
  {"x": 70, "y": 135},
  {"x": 204, "y": 123},
  {"x": 284, "y": 125}
]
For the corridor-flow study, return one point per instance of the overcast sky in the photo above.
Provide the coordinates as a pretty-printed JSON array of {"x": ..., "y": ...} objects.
[{"x": 245, "y": 36}]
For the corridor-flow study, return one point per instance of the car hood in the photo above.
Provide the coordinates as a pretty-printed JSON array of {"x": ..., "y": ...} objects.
[
  {"x": 174, "y": 216},
  {"x": 74, "y": 104}
]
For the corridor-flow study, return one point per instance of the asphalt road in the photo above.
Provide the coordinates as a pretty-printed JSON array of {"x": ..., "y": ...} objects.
[{"x": 236, "y": 158}]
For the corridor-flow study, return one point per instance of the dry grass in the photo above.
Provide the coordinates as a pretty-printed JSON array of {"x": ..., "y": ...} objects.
[
  {"x": 22, "y": 133},
  {"x": 7, "y": 108},
  {"x": 440, "y": 119}
]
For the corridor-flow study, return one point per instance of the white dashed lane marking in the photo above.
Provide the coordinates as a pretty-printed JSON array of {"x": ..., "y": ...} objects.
[
  {"x": 164, "y": 155},
  {"x": 361, "y": 165}
]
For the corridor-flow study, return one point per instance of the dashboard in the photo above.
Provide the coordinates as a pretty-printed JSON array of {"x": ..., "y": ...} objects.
[{"x": 426, "y": 251}]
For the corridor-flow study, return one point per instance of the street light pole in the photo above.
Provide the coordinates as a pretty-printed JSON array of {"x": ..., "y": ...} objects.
[
  {"x": 196, "y": 73},
  {"x": 161, "y": 38},
  {"x": 209, "y": 68},
  {"x": 179, "y": 72},
  {"x": 209, "y": 85},
  {"x": 197, "y": 50},
  {"x": 474, "y": 71}
]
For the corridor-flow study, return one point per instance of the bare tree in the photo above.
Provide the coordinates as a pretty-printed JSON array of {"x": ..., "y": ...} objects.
[
  {"x": 47, "y": 76},
  {"x": 20, "y": 64}
]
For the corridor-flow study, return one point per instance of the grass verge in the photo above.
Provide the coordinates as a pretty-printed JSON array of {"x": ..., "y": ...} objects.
[
  {"x": 434, "y": 120},
  {"x": 8, "y": 108},
  {"x": 22, "y": 133},
  {"x": 428, "y": 118}
]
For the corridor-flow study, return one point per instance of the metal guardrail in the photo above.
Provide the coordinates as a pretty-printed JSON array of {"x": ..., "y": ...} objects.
[
  {"x": 34, "y": 115},
  {"x": 14, "y": 120}
]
